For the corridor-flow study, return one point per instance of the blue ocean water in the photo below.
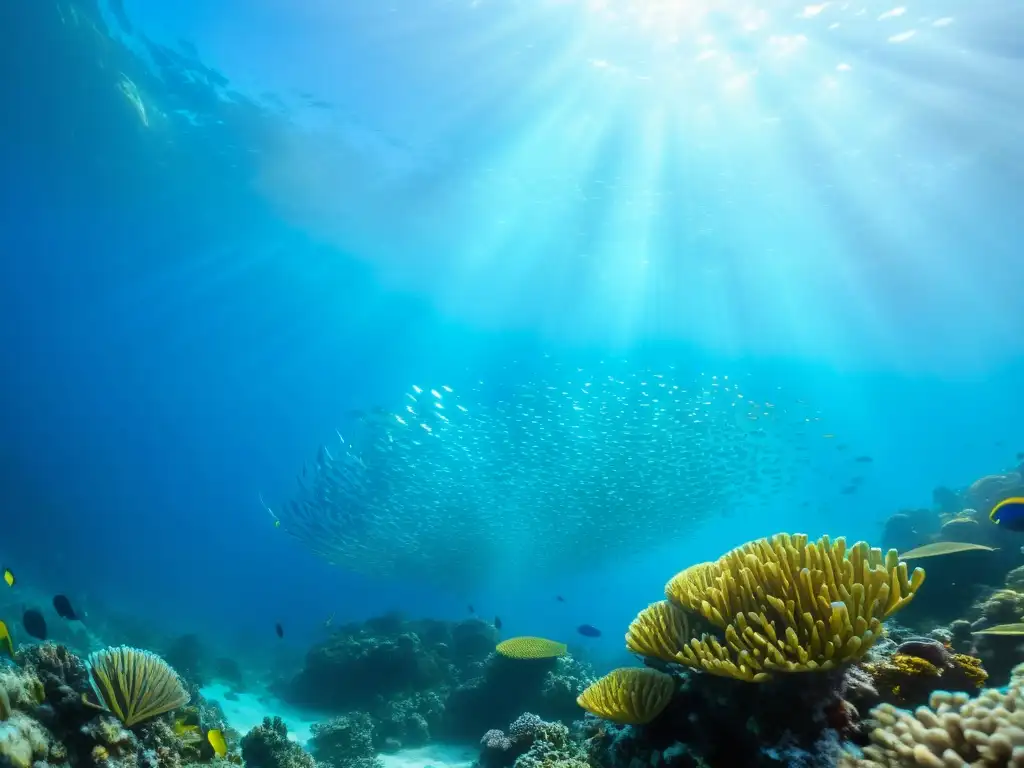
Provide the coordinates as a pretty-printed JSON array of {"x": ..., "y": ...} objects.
[{"x": 226, "y": 227}]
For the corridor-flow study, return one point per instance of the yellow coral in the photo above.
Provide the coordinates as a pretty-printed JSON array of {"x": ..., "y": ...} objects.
[
  {"x": 892, "y": 673},
  {"x": 135, "y": 685},
  {"x": 786, "y": 604},
  {"x": 530, "y": 648},
  {"x": 659, "y": 631},
  {"x": 971, "y": 668},
  {"x": 631, "y": 695}
]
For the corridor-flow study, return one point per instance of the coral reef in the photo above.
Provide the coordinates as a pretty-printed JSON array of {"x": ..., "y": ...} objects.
[
  {"x": 953, "y": 730},
  {"x": 921, "y": 666},
  {"x": 960, "y": 516},
  {"x": 50, "y": 722},
  {"x": 23, "y": 741},
  {"x": 388, "y": 657},
  {"x": 345, "y": 742},
  {"x": 267, "y": 746},
  {"x": 794, "y": 720},
  {"x": 427, "y": 680},
  {"x": 531, "y": 742},
  {"x": 502, "y": 688},
  {"x": 788, "y": 620}
]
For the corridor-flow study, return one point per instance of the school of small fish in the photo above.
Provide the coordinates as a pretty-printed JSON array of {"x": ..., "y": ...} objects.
[{"x": 555, "y": 471}]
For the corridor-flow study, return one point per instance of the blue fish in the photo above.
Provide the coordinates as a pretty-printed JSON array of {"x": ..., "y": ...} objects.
[
  {"x": 588, "y": 630},
  {"x": 1009, "y": 513}
]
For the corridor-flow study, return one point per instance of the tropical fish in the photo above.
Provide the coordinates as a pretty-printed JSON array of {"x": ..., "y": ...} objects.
[
  {"x": 9, "y": 577},
  {"x": 1009, "y": 514},
  {"x": 559, "y": 598},
  {"x": 216, "y": 739},
  {"x": 279, "y": 629},
  {"x": 588, "y": 630},
  {"x": 34, "y": 623},
  {"x": 944, "y": 548},
  {"x": 864, "y": 460},
  {"x": 62, "y": 606},
  {"x": 330, "y": 620},
  {"x": 6, "y": 641},
  {"x": 497, "y": 622}
]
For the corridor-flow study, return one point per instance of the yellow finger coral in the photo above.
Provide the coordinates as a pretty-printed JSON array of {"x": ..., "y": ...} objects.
[
  {"x": 659, "y": 631},
  {"x": 530, "y": 648},
  {"x": 786, "y": 604},
  {"x": 135, "y": 685},
  {"x": 630, "y": 695}
]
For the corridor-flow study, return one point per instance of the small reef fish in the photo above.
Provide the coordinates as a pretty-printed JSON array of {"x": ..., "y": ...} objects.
[
  {"x": 1009, "y": 513},
  {"x": 497, "y": 622},
  {"x": 330, "y": 620},
  {"x": 279, "y": 629},
  {"x": 62, "y": 606},
  {"x": 864, "y": 460},
  {"x": 9, "y": 577},
  {"x": 216, "y": 739},
  {"x": 471, "y": 609},
  {"x": 6, "y": 641},
  {"x": 588, "y": 630},
  {"x": 438, "y": 461},
  {"x": 559, "y": 598},
  {"x": 34, "y": 623}
]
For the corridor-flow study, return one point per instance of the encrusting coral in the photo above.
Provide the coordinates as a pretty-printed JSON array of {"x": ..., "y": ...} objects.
[
  {"x": 955, "y": 730},
  {"x": 922, "y": 666},
  {"x": 629, "y": 695}
]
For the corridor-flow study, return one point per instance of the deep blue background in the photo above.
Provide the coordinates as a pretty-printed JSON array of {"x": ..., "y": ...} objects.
[{"x": 170, "y": 348}]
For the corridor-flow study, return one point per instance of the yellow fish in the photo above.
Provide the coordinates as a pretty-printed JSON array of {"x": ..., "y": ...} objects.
[
  {"x": 6, "y": 642},
  {"x": 216, "y": 739},
  {"x": 9, "y": 577}
]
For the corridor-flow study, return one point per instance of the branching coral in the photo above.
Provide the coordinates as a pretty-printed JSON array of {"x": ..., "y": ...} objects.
[
  {"x": 955, "y": 730},
  {"x": 786, "y": 604}
]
